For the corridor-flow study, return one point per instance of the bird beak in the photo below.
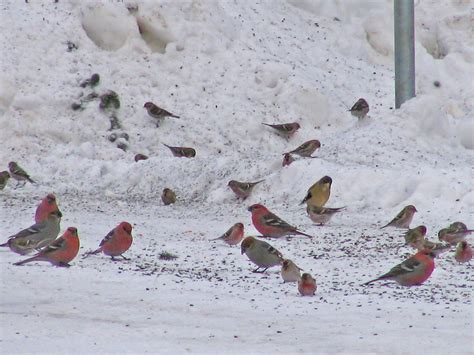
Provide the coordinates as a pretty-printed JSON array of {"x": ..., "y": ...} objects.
[{"x": 250, "y": 210}]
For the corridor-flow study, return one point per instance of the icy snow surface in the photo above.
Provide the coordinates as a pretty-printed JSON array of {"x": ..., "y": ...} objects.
[{"x": 225, "y": 67}]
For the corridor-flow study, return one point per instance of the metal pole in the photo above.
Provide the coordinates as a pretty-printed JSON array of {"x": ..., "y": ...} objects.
[{"x": 404, "y": 19}]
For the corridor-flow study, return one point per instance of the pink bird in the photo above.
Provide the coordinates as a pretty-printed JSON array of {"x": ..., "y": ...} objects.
[
  {"x": 47, "y": 205},
  {"x": 270, "y": 225},
  {"x": 116, "y": 242},
  {"x": 60, "y": 252}
]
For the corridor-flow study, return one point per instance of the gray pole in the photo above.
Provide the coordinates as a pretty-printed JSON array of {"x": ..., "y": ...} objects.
[{"x": 404, "y": 19}]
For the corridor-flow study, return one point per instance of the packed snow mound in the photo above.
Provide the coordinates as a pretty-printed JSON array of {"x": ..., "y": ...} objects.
[{"x": 226, "y": 69}]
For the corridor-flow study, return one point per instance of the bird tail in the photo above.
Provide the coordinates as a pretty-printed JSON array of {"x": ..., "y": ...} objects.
[
  {"x": 306, "y": 235},
  {"x": 383, "y": 277},
  {"x": 174, "y": 116},
  {"x": 4, "y": 244},
  {"x": 166, "y": 145},
  {"x": 31, "y": 180},
  {"x": 385, "y": 226},
  {"x": 215, "y": 239},
  {"x": 33, "y": 258},
  {"x": 93, "y": 252}
]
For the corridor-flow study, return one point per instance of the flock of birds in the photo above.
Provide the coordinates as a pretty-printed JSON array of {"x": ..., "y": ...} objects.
[{"x": 42, "y": 236}]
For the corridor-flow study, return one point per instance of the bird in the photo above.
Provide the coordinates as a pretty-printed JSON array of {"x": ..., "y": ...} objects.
[
  {"x": 290, "y": 272},
  {"x": 18, "y": 173},
  {"x": 455, "y": 233},
  {"x": 182, "y": 151},
  {"x": 46, "y": 206},
  {"x": 436, "y": 248},
  {"x": 413, "y": 271},
  {"x": 318, "y": 194},
  {"x": 321, "y": 215},
  {"x": 403, "y": 218},
  {"x": 234, "y": 234},
  {"x": 168, "y": 196},
  {"x": 414, "y": 236},
  {"x": 116, "y": 242},
  {"x": 463, "y": 252},
  {"x": 60, "y": 252},
  {"x": 307, "y": 285},
  {"x": 157, "y": 112},
  {"x": 287, "y": 159},
  {"x": 4, "y": 176},
  {"x": 242, "y": 189},
  {"x": 285, "y": 129},
  {"x": 270, "y": 225},
  {"x": 140, "y": 156},
  {"x": 260, "y": 253},
  {"x": 36, "y": 236},
  {"x": 360, "y": 109},
  {"x": 306, "y": 149}
]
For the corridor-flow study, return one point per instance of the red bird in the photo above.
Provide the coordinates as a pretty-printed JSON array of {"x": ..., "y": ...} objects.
[
  {"x": 116, "y": 242},
  {"x": 270, "y": 225},
  {"x": 60, "y": 252},
  {"x": 413, "y": 271},
  {"x": 307, "y": 285},
  {"x": 463, "y": 252},
  {"x": 47, "y": 205}
]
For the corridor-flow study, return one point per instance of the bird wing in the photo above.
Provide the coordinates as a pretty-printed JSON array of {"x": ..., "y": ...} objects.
[
  {"x": 272, "y": 250},
  {"x": 28, "y": 232},
  {"x": 59, "y": 243},
  {"x": 406, "y": 267},
  {"x": 107, "y": 238},
  {"x": 273, "y": 220}
]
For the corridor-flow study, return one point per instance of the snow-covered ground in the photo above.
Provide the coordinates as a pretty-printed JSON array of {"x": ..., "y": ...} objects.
[{"x": 225, "y": 67}]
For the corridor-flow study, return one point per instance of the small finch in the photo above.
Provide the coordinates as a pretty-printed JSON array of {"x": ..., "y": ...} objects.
[
  {"x": 234, "y": 235},
  {"x": 403, "y": 218},
  {"x": 18, "y": 173},
  {"x": 116, "y": 242},
  {"x": 242, "y": 189},
  {"x": 260, "y": 253},
  {"x": 287, "y": 159},
  {"x": 415, "y": 236},
  {"x": 436, "y": 248},
  {"x": 47, "y": 205},
  {"x": 463, "y": 252},
  {"x": 270, "y": 225},
  {"x": 4, "y": 176},
  {"x": 140, "y": 156},
  {"x": 318, "y": 194},
  {"x": 455, "y": 233},
  {"x": 285, "y": 129},
  {"x": 168, "y": 196},
  {"x": 321, "y": 215},
  {"x": 360, "y": 109},
  {"x": 182, "y": 151},
  {"x": 413, "y": 271},
  {"x": 37, "y": 236},
  {"x": 60, "y": 252},
  {"x": 289, "y": 271},
  {"x": 157, "y": 112},
  {"x": 306, "y": 149},
  {"x": 307, "y": 285}
]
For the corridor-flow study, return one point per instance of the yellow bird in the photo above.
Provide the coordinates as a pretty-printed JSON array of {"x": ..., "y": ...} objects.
[{"x": 318, "y": 194}]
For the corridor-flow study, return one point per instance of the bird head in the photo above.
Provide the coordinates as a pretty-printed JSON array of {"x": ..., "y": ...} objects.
[
  {"x": 256, "y": 207},
  {"x": 12, "y": 165},
  {"x": 148, "y": 104},
  {"x": 325, "y": 180},
  {"x": 246, "y": 243},
  {"x": 72, "y": 231},
  {"x": 428, "y": 252},
  {"x": 51, "y": 198},
  {"x": 306, "y": 277},
  {"x": 127, "y": 227},
  {"x": 232, "y": 183},
  {"x": 411, "y": 208},
  {"x": 285, "y": 264},
  {"x": 239, "y": 225}
]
